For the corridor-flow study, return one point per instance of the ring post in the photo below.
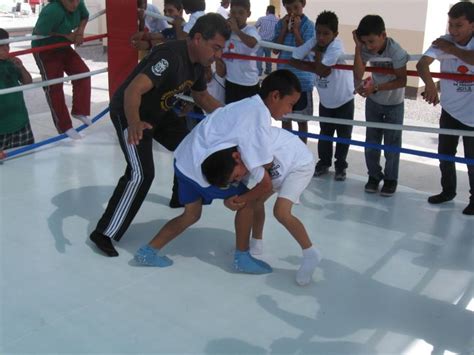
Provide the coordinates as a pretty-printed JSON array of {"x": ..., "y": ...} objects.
[{"x": 122, "y": 19}]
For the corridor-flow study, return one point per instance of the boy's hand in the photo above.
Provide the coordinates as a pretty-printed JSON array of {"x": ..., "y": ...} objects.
[
  {"x": 357, "y": 41},
  {"x": 17, "y": 62},
  {"x": 78, "y": 39},
  {"x": 444, "y": 45},
  {"x": 234, "y": 27},
  {"x": 178, "y": 22},
  {"x": 135, "y": 131},
  {"x": 296, "y": 24},
  {"x": 233, "y": 204},
  {"x": 431, "y": 95}
]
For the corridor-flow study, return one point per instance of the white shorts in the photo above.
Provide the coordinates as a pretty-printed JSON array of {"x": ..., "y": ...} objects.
[{"x": 293, "y": 185}]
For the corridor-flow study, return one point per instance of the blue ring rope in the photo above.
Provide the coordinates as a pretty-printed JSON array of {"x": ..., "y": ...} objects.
[
  {"x": 386, "y": 148},
  {"x": 57, "y": 138}
]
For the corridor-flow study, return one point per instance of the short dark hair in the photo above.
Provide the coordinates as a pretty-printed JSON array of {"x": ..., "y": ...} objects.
[
  {"x": 282, "y": 80},
  {"x": 329, "y": 19},
  {"x": 218, "y": 167},
  {"x": 4, "y": 34},
  {"x": 242, "y": 3},
  {"x": 194, "y": 5},
  {"x": 209, "y": 25},
  {"x": 271, "y": 9},
  {"x": 287, "y": 2},
  {"x": 176, "y": 3},
  {"x": 462, "y": 8},
  {"x": 370, "y": 25}
]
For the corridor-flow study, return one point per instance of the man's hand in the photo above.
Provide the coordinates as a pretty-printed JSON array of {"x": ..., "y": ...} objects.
[
  {"x": 233, "y": 204},
  {"x": 135, "y": 131}
]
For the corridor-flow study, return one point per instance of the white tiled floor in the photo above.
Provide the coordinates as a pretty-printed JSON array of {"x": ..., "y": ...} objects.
[{"x": 397, "y": 275}]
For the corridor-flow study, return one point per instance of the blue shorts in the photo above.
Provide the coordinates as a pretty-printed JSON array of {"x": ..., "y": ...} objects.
[{"x": 189, "y": 191}]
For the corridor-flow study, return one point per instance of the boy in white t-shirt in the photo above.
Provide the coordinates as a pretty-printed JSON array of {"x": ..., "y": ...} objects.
[
  {"x": 246, "y": 125},
  {"x": 196, "y": 9},
  {"x": 242, "y": 75},
  {"x": 335, "y": 89},
  {"x": 457, "y": 97},
  {"x": 291, "y": 172}
]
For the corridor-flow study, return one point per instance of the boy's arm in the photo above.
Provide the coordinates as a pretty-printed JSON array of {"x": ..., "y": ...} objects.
[
  {"x": 283, "y": 30},
  {"x": 205, "y": 100},
  {"x": 249, "y": 41},
  {"x": 314, "y": 67},
  {"x": 297, "y": 31},
  {"x": 261, "y": 189},
  {"x": 359, "y": 65},
  {"x": 450, "y": 48},
  {"x": 431, "y": 92},
  {"x": 25, "y": 75}
]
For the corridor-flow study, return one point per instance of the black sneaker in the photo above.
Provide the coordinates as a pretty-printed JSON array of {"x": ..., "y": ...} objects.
[
  {"x": 321, "y": 170},
  {"x": 174, "y": 202},
  {"x": 469, "y": 210},
  {"x": 340, "y": 175},
  {"x": 440, "y": 198},
  {"x": 104, "y": 243},
  {"x": 389, "y": 187},
  {"x": 372, "y": 185}
]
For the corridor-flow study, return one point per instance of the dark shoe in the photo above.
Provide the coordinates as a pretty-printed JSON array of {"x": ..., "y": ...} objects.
[
  {"x": 469, "y": 210},
  {"x": 174, "y": 202},
  {"x": 340, "y": 175},
  {"x": 104, "y": 243},
  {"x": 372, "y": 185},
  {"x": 440, "y": 198},
  {"x": 389, "y": 187},
  {"x": 321, "y": 170}
]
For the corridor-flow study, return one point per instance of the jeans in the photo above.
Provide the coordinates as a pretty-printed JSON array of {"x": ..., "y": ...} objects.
[
  {"x": 264, "y": 52},
  {"x": 448, "y": 144},
  {"x": 345, "y": 111},
  {"x": 375, "y": 112}
]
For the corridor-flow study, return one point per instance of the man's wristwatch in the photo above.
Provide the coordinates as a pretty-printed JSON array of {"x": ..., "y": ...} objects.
[{"x": 376, "y": 88}]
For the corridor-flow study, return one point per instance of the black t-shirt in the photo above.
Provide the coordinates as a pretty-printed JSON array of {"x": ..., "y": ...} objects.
[{"x": 169, "y": 68}]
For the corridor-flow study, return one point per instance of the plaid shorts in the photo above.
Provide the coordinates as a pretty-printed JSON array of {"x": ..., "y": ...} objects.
[{"x": 16, "y": 139}]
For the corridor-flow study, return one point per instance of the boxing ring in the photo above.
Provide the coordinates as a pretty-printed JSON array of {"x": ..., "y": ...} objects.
[{"x": 397, "y": 274}]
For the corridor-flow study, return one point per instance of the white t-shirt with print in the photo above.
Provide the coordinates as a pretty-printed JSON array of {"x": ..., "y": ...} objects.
[
  {"x": 245, "y": 124},
  {"x": 242, "y": 72},
  {"x": 289, "y": 153},
  {"x": 192, "y": 20},
  {"x": 338, "y": 87},
  {"x": 457, "y": 97}
]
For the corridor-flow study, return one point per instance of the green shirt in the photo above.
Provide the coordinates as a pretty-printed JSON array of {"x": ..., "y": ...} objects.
[
  {"x": 55, "y": 18},
  {"x": 13, "y": 113}
]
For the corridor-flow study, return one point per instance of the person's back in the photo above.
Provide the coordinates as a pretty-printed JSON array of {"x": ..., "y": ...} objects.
[
  {"x": 266, "y": 29},
  {"x": 15, "y": 127}
]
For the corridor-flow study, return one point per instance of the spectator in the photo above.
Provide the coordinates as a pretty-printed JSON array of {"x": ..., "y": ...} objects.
[
  {"x": 15, "y": 129},
  {"x": 266, "y": 29},
  {"x": 196, "y": 9},
  {"x": 64, "y": 21},
  {"x": 457, "y": 97}
]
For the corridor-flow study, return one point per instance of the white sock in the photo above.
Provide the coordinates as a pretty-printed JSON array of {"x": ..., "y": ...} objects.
[
  {"x": 256, "y": 246},
  {"x": 85, "y": 119},
  {"x": 73, "y": 134},
  {"x": 311, "y": 259}
]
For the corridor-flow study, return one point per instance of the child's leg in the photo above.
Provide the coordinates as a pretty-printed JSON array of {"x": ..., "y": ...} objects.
[
  {"x": 256, "y": 245},
  {"x": 311, "y": 256},
  {"x": 243, "y": 261},
  {"x": 148, "y": 254}
]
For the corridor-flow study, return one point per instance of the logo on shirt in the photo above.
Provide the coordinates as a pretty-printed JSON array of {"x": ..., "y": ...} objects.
[
  {"x": 160, "y": 67},
  {"x": 273, "y": 171},
  {"x": 463, "y": 69}
]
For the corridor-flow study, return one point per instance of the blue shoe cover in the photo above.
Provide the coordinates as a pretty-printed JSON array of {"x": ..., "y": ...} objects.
[
  {"x": 246, "y": 263},
  {"x": 148, "y": 256}
]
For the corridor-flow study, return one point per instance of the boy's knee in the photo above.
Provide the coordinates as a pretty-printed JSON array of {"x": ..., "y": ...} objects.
[
  {"x": 281, "y": 214},
  {"x": 191, "y": 217}
]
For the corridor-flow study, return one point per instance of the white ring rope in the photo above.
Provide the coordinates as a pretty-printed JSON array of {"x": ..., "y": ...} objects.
[
  {"x": 39, "y": 84},
  {"x": 397, "y": 127},
  {"x": 34, "y": 37}
]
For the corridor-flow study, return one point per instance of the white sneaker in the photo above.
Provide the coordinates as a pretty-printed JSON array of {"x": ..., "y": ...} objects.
[
  {"x": 85, "y": 119},
  {"x": 73, "y": 134}
]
